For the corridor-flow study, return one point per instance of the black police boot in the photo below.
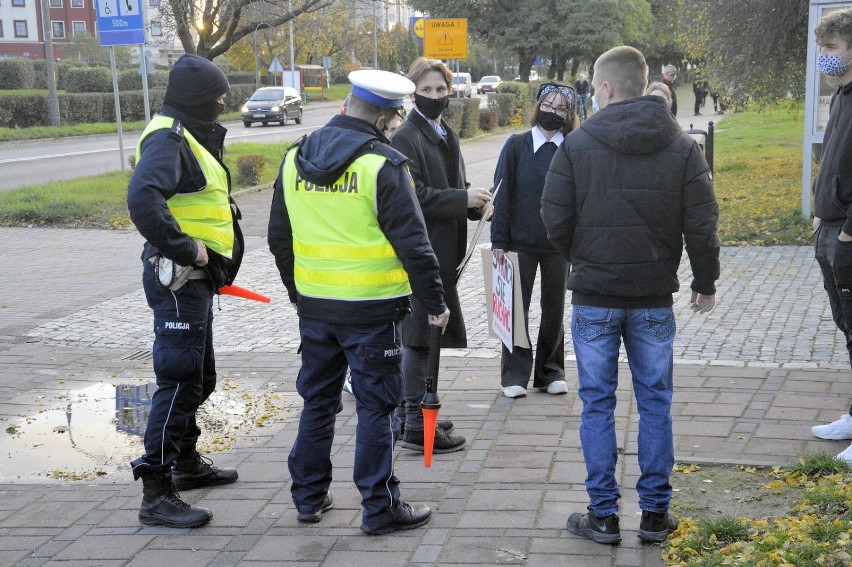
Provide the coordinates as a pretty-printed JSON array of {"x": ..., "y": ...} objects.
[
  {"x": 194, "y": 471},
  {"x": 162, "y": 506},
  {"x": 405, "y": 517},
  {"x": 443, "y": 443}
]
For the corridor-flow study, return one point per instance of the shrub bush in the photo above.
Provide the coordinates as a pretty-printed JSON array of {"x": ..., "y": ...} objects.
[
  {"x": 241, "y": 78},
  {"x": 40, "y": 71},
  {"x": 487, "y": 119},
  {"x": 249, "y": 168},
  {"x": 470, "y": 118},
  {"x": 454, "y": 114},
  {"x": 131, "y": 80},
  {"x": 521, "y": 91},
  {"x": 503, "y": 105},
  {"x": 88, "y": 80},
  {"x": 24, "y": 111},
  {"x": 16, "y": 73}
]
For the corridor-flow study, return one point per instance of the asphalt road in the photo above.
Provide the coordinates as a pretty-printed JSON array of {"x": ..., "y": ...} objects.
[{"x": 40, "y": 161}]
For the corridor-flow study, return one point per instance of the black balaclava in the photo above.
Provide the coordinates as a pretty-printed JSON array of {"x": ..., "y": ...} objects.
[{"x": 194, "y": 85}]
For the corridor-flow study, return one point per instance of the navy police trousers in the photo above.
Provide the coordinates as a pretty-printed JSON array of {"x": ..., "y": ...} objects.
[
  {"x": 373, "y": 354},
  {"x": 184, "y": 365}
]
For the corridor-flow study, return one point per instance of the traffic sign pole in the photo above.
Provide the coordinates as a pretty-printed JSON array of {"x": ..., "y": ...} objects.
[
  {"x": 144, "y": 61},
  {"x": 117, "y": 105}
]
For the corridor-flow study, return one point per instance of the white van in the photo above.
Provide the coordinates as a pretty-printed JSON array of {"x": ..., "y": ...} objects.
[{"x": 462, "y": 85}]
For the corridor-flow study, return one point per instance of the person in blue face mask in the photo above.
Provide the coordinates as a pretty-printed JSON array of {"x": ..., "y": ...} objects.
[{"x": 833, "y": 194}]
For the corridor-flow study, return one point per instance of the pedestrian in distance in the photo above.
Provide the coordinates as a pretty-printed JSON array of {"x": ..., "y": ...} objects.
[
  {"x": 833, "y": 194},
  {"x": 699, "y": 89},
  {"x": 623, "y": 194},
  {"x": 668, "y": 78},
  {"x": 582, "y": 88},
  {"x": 448, "y": 202},
  {"x": 179, "y": 200},
  {"x": 350, "y": 244},
  {"x": 517, "y": 227}
]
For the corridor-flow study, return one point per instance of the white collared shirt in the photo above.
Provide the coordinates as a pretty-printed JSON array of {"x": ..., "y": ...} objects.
[{"x": 539, "y": 138}]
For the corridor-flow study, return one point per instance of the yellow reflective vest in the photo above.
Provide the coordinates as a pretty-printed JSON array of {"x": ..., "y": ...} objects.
[
  {"x": 206, "y": 214},
  {"x": 339, "y": 248}
]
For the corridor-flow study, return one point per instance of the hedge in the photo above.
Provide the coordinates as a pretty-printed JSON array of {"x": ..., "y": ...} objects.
[
  {"x": 131, "y": 80},
  {"x": 88, "y": 80},
  {"x": 22, "y": 111},
  {"x": 504, "y": 105},
  {"x": 521, "y": 92},
  {"x": 16, "y": 73}
]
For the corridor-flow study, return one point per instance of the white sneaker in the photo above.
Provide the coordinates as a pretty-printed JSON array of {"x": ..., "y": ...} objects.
[
  {"x": 347, "y": 385},
  {"x": 514, "y": 391},
  {"x": 558, "y": 387},
  {"x": 840, "y": 429},
  {"x": 846, "y": 455}
]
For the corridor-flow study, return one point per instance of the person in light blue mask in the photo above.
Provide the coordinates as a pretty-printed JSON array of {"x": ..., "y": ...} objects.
[{"x": 833, "y": 194}]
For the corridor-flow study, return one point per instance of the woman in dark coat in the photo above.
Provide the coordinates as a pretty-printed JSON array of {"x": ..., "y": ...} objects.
[{"x": 447, "y": 201}]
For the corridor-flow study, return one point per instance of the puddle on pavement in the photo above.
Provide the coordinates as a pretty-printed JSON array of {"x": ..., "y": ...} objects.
[{"x": 97, "y": 431}]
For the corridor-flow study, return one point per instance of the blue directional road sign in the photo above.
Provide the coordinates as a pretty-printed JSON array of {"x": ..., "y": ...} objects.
[{"x": 120, "y": 22}]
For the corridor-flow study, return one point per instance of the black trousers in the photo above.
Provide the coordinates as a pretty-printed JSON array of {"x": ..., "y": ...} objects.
[
  {"x": 835, "y": 261},
  {"x": 516, "y": 366},
  {"x": 185, "y": 367}
]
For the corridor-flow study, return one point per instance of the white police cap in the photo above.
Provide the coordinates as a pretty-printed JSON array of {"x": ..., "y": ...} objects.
[{"x": 381, "y": 88}]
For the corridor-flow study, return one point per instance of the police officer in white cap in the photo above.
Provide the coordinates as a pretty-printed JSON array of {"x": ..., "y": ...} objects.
[{"x": 350, "y": 243}]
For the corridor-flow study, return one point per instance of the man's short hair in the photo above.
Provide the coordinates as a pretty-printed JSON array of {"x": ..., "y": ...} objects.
[
  {"x": 624, "y": 67},
  {"x": 836, "y": 23},
  {"x": 421, "y": 66},
  {"x": 670, "y": 70},
  {"x": 360, "y": 108}
]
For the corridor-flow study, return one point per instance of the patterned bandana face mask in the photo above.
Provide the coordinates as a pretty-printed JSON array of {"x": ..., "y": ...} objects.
[{"x": 832, "y": 66}]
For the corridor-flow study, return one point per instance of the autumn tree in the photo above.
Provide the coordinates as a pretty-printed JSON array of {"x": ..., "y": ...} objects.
[
  {"x": 211, "y": 27},
  {"x": 756, "y": 48}
]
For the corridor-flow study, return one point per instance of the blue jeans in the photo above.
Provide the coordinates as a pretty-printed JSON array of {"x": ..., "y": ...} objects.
[{"x": 648, "y": 337}]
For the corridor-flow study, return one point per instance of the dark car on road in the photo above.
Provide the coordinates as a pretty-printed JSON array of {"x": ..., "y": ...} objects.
[{"x": 272, "y": 104}]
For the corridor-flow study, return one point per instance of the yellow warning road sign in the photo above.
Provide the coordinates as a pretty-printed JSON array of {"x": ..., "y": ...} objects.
[{"x": 445, "y": 38}]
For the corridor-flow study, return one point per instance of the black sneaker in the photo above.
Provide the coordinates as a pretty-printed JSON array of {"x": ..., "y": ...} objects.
[
  {"x": 654, "y": 527},
  {"x": 601, "y": 530},
  {"x": 444, "y": 442},
  {"x": 316, "y": 516},
  {"x": 406, "y": 517},
  {"x": 197, "y": 471},
  {"x": 445, "y": 424}
]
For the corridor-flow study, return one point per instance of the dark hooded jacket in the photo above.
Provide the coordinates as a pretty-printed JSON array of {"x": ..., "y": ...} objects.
[
  {"x": 833, "y": 185},
  {"x": 623, "y": 193},
  {"x": 322, "y": 158},
  {"x": 168, "y": 168}
]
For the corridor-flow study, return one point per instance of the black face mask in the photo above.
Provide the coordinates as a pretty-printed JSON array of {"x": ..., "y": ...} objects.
[
  {"x": 549, "y": 120},
  {"x": 431, "y": 107},
  {"x": 207, "y": 111}
]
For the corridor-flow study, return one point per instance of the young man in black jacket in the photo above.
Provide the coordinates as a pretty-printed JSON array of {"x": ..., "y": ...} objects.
[
  {"x": 622, "y": 193},
  {"x": 833, "y": 194}
]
